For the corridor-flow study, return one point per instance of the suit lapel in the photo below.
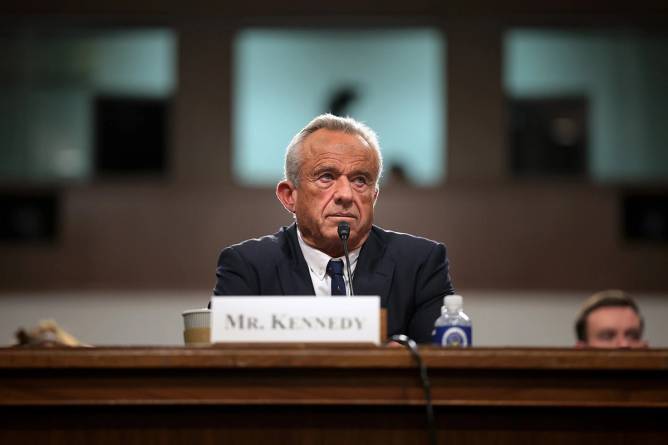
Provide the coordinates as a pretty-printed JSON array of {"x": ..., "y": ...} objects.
[
  {"x": 374, "y": 271},
  {"x": 293, "y": 273}
]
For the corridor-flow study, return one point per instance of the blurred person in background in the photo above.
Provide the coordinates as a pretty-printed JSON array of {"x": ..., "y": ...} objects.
[{"x": 609, "y": 319}]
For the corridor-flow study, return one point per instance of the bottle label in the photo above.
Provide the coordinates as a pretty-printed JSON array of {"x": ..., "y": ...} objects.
[{"x": 452, "y": 336}]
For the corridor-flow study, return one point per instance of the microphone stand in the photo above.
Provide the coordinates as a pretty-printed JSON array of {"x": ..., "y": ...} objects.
[{"x": 344, "y": 232}]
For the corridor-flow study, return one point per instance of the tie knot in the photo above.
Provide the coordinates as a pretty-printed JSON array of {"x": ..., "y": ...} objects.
[{"x": 335, "y": 267}]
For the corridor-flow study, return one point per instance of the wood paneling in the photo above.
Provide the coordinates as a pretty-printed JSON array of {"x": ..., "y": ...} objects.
[{"x": 316, "y": 394}]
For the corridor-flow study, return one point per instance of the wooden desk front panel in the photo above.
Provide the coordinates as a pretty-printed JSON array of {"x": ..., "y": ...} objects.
[{"x": 330, "y": 395}]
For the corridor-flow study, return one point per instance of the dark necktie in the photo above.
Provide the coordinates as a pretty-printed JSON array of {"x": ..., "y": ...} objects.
[{"x": 335, "y": 270}]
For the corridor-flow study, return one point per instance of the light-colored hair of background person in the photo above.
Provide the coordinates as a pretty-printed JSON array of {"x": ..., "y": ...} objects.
[{"x": 333, "y": 123}]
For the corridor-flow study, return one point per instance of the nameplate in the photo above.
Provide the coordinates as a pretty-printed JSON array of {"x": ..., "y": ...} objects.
[{"x": 306, "y": 319}]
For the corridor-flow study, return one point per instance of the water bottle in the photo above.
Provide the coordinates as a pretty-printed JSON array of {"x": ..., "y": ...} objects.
[{"x": 453, "y": 328}]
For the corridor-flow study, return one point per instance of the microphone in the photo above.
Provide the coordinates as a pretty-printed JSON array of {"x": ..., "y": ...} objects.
[{"x": 344, "y": 233}]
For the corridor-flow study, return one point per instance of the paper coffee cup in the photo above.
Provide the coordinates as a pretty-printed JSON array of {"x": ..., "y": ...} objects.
[{"x": 196, "y": 323}]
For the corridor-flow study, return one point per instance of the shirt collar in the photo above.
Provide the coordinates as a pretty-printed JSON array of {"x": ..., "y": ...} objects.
[{"x": 317, "y": 260}]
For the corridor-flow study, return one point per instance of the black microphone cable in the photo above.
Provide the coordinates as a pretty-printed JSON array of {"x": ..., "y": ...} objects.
[
  {"x": 344, "y": 232},
  {"x": 410, "y": 344}
]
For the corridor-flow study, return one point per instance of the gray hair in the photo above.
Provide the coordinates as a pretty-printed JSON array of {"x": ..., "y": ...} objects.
[{"x": 334, "y": 123}]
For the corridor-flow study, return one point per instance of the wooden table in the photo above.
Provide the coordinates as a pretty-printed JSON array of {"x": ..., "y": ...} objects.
[{"x": 326, "y": 394}]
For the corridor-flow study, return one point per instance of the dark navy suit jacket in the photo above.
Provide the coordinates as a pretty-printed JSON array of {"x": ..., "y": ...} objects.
[{"x": 410, "y": 274}]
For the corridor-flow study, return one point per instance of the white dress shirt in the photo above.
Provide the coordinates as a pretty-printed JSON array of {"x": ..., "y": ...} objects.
[{"x": 317, "y": 266}]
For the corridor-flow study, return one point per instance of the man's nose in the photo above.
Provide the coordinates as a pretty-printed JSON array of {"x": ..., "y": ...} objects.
[
  {"x": 623, "y": 342},
  {"x": 343, "y": 190}
]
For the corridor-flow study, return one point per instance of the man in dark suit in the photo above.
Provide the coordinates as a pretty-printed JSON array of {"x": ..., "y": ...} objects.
[{"x": 332, "y": 168}]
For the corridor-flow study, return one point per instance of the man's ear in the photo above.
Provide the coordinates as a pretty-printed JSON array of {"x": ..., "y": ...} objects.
[
  {"x": 375, "y": 195},
  {"x": 286, "y": 192}
]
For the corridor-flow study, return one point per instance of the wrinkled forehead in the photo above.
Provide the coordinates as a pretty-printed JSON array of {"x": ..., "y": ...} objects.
[{"x": 326, "y": 142}]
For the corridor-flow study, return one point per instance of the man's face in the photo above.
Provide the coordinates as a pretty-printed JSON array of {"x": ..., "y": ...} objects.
[
  {"x": 614, "y": 327},
  {"x": 337, "y": 183}
]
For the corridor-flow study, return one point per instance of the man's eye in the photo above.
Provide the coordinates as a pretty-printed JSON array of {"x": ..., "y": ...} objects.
[
  {"x": 360, "y": 180},
  {"x": 632, "y": 335},
  {"x": 606, "y": 335},
  {"x": 326, "y": 177}
]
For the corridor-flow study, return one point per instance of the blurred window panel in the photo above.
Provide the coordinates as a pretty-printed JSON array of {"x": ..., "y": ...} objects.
[
  {"x": 29, "y": 217},
  {"x": 51, "y": 82},
  {"x": 391, "y": 79},
  {"x": 590, "y": 103},
  {"x": 645, "y": 216}
]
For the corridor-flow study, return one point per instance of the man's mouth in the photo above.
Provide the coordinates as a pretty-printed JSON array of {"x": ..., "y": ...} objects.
[{"x": 342, "y": 215}]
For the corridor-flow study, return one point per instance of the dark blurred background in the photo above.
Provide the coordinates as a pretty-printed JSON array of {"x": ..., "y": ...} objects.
[{"x": 138, "y": 139}]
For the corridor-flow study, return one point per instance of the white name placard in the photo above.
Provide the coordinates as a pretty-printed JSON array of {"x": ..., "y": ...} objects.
[{"x": 306, "y": 319}]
